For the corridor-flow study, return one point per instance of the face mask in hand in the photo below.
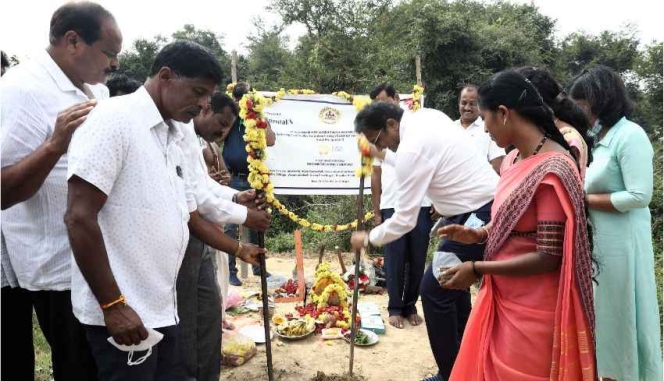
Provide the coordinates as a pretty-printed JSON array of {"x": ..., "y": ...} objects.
[{"x": 154, "y": 337}]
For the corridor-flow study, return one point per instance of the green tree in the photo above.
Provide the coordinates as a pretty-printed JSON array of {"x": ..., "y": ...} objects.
[
  {"x": 618, "y": 50},
  {"x": 137, "y": 62},
  {"x": 649, "y": 104},
  {"x": 210, "y": 40},
  {"x": 268, "y": 56},
  {"x": 336, "y": 53},
  {"x": 459, "y": 42}
]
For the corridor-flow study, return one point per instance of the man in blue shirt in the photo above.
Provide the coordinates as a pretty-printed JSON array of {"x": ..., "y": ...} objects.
[{"x": 235, "y": 157}]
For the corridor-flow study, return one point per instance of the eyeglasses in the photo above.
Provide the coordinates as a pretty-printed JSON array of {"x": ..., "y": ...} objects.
[{"x": 377, "y": 136}]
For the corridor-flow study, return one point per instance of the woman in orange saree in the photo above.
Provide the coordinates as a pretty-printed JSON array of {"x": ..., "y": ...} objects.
[{"x": 533, "y": 319}]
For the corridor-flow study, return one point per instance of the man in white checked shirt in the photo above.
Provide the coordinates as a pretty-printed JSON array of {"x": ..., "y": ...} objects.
[
  {"x": 84, "y": 44},
  {"x": 130, "y": 213}
]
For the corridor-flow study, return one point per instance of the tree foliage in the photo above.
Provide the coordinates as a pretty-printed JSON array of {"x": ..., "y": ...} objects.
[{"x": 353, "y": 45}]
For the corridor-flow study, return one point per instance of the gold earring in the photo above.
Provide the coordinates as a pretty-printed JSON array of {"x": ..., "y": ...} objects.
[{"x": 504, "y": 121}]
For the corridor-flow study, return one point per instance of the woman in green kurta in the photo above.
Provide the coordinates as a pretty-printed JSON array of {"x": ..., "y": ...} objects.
[{"x": 619, "y": 185}]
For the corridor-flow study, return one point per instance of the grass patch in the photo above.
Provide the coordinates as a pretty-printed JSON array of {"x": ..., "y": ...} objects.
[{"x": 43, "y": 366}]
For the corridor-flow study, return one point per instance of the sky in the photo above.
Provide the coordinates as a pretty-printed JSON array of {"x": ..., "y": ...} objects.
[{"x": 24, "y": 23}]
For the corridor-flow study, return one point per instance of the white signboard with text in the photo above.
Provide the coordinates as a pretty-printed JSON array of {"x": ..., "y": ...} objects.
[{"x": 316, "y": 148}]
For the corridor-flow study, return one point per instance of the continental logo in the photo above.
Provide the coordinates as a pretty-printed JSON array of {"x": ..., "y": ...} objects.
[{"x": 329, "y": 115}]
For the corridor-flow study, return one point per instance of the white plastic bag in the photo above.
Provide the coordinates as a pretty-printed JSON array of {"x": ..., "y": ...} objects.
[{"x": 442, "y": 261}]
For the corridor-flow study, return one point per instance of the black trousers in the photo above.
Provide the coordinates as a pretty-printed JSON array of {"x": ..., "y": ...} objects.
[
  {"x": 162, "y": 365},
  {"x": 446, "y": 311},
  {"x": 199, "y": 309},
  {"x": 405, "y": 260},
  {"x": 18, "y": 353},
  {"x": 70, "y": 353}
]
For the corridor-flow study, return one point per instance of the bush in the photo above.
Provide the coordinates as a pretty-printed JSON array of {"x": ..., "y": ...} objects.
[
  {"x": 656, "y": 211},
  {"x": 283, "y": 242}
]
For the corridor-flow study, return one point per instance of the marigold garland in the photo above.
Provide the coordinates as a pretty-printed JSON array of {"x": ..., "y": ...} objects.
[
  {"x": 322, "y": 267},
  {"x": 358, "y": 101},
  {"x": 366, "y": 161},
  {"x": 325, "y": 296},
  {"x": 229, "y": 89},
  {"x": 333, "y": 284},
  {"x": 417, "y": 97},
  {"x": 300, "y": 92}
]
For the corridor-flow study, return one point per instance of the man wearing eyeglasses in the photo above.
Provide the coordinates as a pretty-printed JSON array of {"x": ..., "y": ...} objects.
[
  {"x": 405, "y": 258},
  {"x": 431, "y": 158},
  {"x": 473, "y": 124}
]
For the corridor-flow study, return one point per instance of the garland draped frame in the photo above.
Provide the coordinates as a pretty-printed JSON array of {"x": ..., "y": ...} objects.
[{"x": 252, "y": 106}]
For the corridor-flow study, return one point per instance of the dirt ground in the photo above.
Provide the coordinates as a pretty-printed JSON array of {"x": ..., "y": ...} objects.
[{"x": 400, "y": 355}]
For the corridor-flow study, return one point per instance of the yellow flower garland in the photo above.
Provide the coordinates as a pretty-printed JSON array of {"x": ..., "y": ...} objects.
[
  {"x": 229, "y": 89},
  {"x": 252, "y": 106},
  {"x": 325, "y": 296},
  {"x": 300, "y": 92},
  {"x": 366, "y": 161},
  {"x": 323, "y": 267},
  {"x": 417, "y": 97},
  {"x": 324, "y": 275},
  {"x": 358, "y": 101}
]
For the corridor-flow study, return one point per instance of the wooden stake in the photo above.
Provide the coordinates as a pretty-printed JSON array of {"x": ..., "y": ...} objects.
[
  {"x": 266, "y": 312},
  {"x": 234, "y": 66},
  {"x": 360, "y": 227},
  {"x": 418, "y": 69},
  {"x": 302, "y": 297},
  {"x": 341, "y": 260}
]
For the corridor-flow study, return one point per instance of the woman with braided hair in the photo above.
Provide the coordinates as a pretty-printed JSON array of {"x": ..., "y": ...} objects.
[
  {"x": 533, "y": 318},
  {"x": 568, "y": 116}
]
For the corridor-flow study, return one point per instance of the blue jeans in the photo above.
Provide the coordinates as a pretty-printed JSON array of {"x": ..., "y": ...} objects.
[
  {"x": 240, "y": 184},
  {"x": 405, "y": 260},
  {"x": 446, "y": 311}
]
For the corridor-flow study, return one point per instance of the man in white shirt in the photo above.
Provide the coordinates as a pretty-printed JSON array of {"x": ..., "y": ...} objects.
[
  {"x": 131, "y": 207},
  {"x": 67, "y": 75},
  {"x": 405, "y": 257},
  {"x": 199, "y": 302},
  {"x": 473, "y": 124},
  {"x": 432, "y": 158}
]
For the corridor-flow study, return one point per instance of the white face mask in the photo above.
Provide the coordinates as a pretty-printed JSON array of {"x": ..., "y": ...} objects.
[{"x": 154, "y": 337}]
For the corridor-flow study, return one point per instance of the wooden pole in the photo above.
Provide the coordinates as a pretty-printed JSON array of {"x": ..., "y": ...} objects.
[
  {"x": 244, "y": 238},
  {"x": 266, "y": 307},
  {"x": 360, "y": 226},
  {"x": 341, "y": 260},
  {"x": 418, "y": 69},
  {"x": 234, "y": 66}
]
